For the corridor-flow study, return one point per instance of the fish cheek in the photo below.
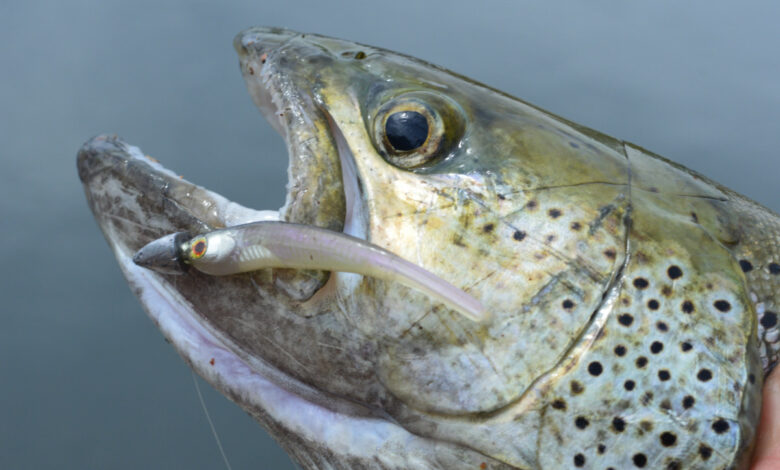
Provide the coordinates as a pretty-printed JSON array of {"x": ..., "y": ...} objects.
[{"x": 452, "y": 379}]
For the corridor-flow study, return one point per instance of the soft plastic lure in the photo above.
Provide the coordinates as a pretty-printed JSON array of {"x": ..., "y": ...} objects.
[{"x": 261, "y": 245}]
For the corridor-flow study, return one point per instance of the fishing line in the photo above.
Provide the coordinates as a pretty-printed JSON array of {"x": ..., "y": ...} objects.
[{"x": 211, "y": 423}]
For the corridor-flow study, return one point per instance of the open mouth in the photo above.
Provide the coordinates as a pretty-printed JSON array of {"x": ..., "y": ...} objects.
[
  {"x": 317, "y": 195},
  {"x": 135, "y": 201},
  {"x": 220, "y": 325}
]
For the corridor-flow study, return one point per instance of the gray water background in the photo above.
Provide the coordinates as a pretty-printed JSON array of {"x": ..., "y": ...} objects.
[{"x": 86, "y": 381}]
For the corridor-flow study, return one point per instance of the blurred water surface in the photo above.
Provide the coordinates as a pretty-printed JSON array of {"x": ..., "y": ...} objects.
[{"x": 86, "y": 381}]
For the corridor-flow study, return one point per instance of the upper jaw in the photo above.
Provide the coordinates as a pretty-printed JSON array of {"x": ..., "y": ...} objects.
[
  {"x": 277, "y": 67},
  {"x": 278, "y": 71}
]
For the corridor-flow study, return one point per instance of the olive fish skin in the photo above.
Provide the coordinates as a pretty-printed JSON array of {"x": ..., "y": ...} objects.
[{"x": 634, "y": 302}]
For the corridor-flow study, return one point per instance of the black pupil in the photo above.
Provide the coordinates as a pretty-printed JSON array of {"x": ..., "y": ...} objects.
[{"x": 406, "y": 130}]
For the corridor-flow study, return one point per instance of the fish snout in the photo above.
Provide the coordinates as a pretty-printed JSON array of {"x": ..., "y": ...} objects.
[{"x": 259, "y": 41}]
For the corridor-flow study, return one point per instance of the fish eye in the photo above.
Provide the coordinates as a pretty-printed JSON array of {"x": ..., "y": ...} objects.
[
  {"x": 417, "y": 129},
  {"x": 406, "y": 130}
]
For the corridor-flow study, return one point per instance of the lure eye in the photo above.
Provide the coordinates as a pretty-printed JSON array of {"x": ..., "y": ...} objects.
[
  {"x": 417, "y": 129},
  {"x": 406, "y": 130},
  {"x": 198, "y": 248}
]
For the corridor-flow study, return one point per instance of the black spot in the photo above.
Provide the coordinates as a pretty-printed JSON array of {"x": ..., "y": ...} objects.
[
  {"x": 720, "y": 426},
  {"x": 774, "y": 268},
  {"x": 656, "y": 347},
  {"x": 488, "y": 228},
  {"x": 579, "y": 460},
  {"x": 746, "y": 265},
  {"x": 629, "y": 385},
  {"x": 688, "y": 401},
  {"x": 686, "y": 346},
  {"x": 595, "y": 369},
  {"x": 626, "y": 319},
  {"x": 666, "y": 405},
  {"x": 653, "y": 304},
  {"x": 769, "y": 320},
  {"x": 554, "y": 213},
  {"x": 532, "y": 204},
  {"x": 752, "y": 378},
  {"x": 610, "y": 253},
  {"x": 559, "y": 404},
  {"x": 576, "y": 387},
  {"x": 688, "y": 307},
  {"x": 618, "y": 424},
  {"x": 640, "y": 460},
  {"x": 694, "y": 217},
  {"x": 722, "y": 305},
  {"x": 673, "y": 465},
  {"x": 581, "y": 422},
  {"x": 664, "y": 375},
  {"x": 662, "y": 326},
  {"x": 620, "y": 350},
  {"x": 668, "y": 439},
  {"x": 518, "y": 235},
  {"x": 641, "y": 361},
  {"x": 567, "y": 304},
  {"x": 705, "y": 451},
  {"x": 360, "y": 55},
  {"x": 550, "y": 238},
  {"x": 576, "y": 226},
  {"x": 641, "y": 283},
  {"x": 704, "y": 375},
  {"x": 674, "y": 272},
  {"x": 601, "y": 448}
]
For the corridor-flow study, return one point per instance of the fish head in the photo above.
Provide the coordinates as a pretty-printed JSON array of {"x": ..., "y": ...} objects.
[
  {"x": 496, "y": 197},
  {"x": 526, "y": 211}
]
